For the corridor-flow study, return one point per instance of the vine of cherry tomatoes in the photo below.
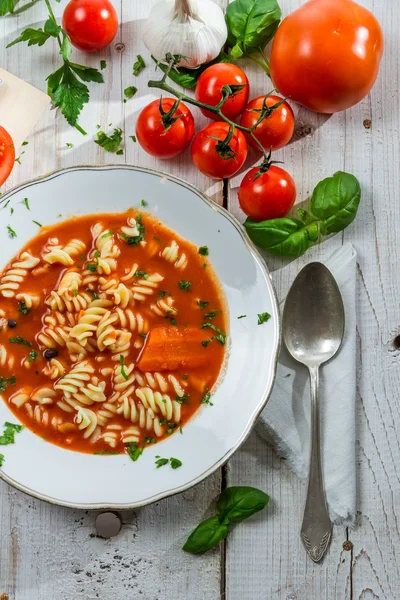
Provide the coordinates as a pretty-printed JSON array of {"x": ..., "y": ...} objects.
[{"x": 218, "y": 150}]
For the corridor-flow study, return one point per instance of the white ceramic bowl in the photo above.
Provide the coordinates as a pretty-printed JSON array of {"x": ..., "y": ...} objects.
[{"x": 92, "y": 481}]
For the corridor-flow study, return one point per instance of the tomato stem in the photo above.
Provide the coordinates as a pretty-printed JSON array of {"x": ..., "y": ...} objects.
[{"x": 263, "y": 65}]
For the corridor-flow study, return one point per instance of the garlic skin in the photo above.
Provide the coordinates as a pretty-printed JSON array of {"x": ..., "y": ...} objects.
[{"x": 194, "y": 28}]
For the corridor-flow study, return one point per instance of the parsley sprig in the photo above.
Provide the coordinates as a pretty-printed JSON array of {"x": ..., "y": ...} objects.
[{"x": 67, "y": 85}]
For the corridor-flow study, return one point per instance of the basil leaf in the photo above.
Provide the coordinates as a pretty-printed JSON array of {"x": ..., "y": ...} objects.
[
  {"x": 283, "y": 237},
  {"x": 188, "y": 78},
  {"x": 207, "y": 535},
  {"x": 335, "y": 202},
  {"x": 251, "y": 25},
  {"x": 240, "y": 502}
]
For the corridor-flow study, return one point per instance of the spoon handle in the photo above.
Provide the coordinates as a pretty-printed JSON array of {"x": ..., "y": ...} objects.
[{"x": 316, "y": 529}]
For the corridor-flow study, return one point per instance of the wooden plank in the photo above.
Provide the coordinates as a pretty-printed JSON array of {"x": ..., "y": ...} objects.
[
  {"x": 51, "y": 552},
  {"x": 265, "y": 556}
]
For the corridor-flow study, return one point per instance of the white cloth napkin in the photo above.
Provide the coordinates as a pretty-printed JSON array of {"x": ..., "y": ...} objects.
[{"x": 286, "y": 419}]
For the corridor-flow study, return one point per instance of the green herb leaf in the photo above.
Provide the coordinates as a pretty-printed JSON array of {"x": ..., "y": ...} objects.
[
  {"x": 110, "y": 143},
  {"x": 181, "y": 399},
  {"x": 133, "y": 451},
  {"x": 19, "y": 340},
  {"x": 143, "y": 203},
  {"x": 103, "y": 64},
  {"x": 122, "y": 363},
  {"x": 221, "y": 337},
  {"x": 133, "y": 138},
  {"x": 203, "y": 250},
  {"x": 263, "y": 318},
  {"x": 69, "y": 145},
  {"x": 141, "y": 274},
  {"x": 8, "y": 436},
  {"x": 1, "y": 460},
  {"x": 66, "y": 46},
  {"x": 37, "y": 223},
  {"x": 251, "y": 25},
  {"x": 335, "y": 202},
  {"x": 212, "y": 314},
  {"x": 7, "y": 6},
  {"x": 107, "y": 234},
  {"x": 8, "y": 381},
  {"x": 32, "y": 356},
  {"x": 11, "y": 232},
  {"x": 185, "y": 285},
  {"x": 22, "y": 308},
  {"x": 106, "y": 452},
  {"x": 206, "y": 535},
  {"x": 202, "y": 305},
  {"x": 175, "y": 463},
  {"x": 160, "y": 462},
  {"x": 242, "y": 317},
  {"x": 206, "y": 399},
  {"x": 139, "y": 65},
  {"x": 240, "y": 502},
  {"x": 130, "y": 91},
  {"x": 188, "y": 78},
  {"x": 33, "y": 37},
  {"x": 26, "y": 202},
  {"x": 134, "y": 240}
]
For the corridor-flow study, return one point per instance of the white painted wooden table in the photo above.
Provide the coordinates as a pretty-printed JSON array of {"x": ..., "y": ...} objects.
[{"x": 51, "y": 553}]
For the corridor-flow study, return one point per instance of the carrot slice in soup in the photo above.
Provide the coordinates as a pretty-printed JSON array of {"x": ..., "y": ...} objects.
[{"x": 170, "y": 348}]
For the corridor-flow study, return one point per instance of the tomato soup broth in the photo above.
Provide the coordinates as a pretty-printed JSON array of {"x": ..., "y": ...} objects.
[{"x": 78, "y": 307}]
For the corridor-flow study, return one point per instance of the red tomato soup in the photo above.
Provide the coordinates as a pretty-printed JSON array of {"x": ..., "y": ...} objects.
[{"x": 112, "y": 332}]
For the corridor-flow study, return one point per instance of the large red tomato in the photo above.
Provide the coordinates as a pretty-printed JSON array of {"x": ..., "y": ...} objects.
[
  {"x": 210, "y": 83},
  {"x": 165, "y": 140},
  {"x": 90, "y": 24},
  {"x": 215, "y": 159},
  {"x": 326, "y": 54},
  {"x": 7, "y": 155}
]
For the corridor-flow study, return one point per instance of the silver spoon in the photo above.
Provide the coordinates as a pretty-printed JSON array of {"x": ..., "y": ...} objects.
[{"x": 313, "y": 328}]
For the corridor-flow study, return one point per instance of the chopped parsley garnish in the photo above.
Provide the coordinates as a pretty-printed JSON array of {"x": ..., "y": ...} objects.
[
  {"x": 202, "y": 304},
  {"x": 134, "y": 451},
  {"x": 92, "y": 267},
  {"x": 213, "y": 313},
  {"x": 288, "y": 375},
  {"x": 19, "y": 340},
  {"x": 26, "y": 202},
  {"x": 22, "y": 308},
  {"x": 106, "y": 452},
  {"x": 32, "y": 356},
  {"x": 4, "y": 382},
  {"x": 8, "y": 436},
  {"x": 1, "y": 459},
  {"x": 220, "y": 337},
  {"x": 76, "y": 293},
  {"x": 242, "y": 317},
  {"x": 24, "y": 143},
  {"x": 122, "y": 363},
  {"x": 139, "y": 65},
  {"x": 149, "y": 440},
  {"x": 37, "y": 223},
  {"x": 11, "y": 232},
  {"x": 141, "y": 274},
  {"x": 185, "y": 285},
  {"x": 206, "y": 342},
  {"x": 93, "y": 293},
  {"x": 203, "y": 250},
  {"x": 119, "y": 152},
  {"x": 206, "y": 399},
  {"x": 143, "y": 335},
  {"x": 133, "y": 138},
  {"x": 175, "y": 463},
  {"x": 130, "y": 91},
  {"x": 143, "y": 203},
  {"x": 173, "y": 321},
  {"x": 107, "y": 234},
  {"x": 204, "y": 265},
  {"x": 180, "y": 428},
  {"x": 263, "y": 318},
  {"x": 11, "y": 211},
  {"x": 160, "y": 462},
  {"x": 103, "y": 65},
  {"x": 110, "y": 143},
  {"x": 162, "y": 293},
  {"x": 181, "y": 399},
  {"x": 69, "y": 145},
  {"x": 134, "y": 240},
  {"x": 185, "y": 377}
]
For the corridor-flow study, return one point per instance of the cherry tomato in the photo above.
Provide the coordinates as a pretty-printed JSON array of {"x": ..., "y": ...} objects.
[
  {"x": 90, "y": 24},
  {"x": 267, "y": 196},
  {"x": 210, "y": 83},
  {"x": 7, "y": 155},
  {"x": 206, "y": 156},
  {"x": 276, "y": 129},
  {"x": 326, "y": 54},
  {"x": 169, "y": 139}
]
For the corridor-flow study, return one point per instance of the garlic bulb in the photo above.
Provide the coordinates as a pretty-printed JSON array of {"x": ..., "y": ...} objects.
[{"x": 194, "y": 28}]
